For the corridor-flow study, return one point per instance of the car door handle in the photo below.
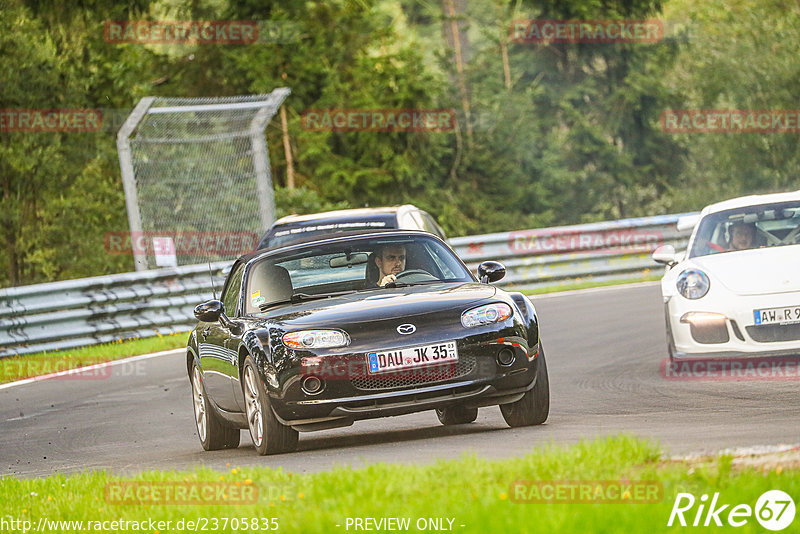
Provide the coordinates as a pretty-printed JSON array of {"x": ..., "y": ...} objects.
[{"x": 205, "y": 332}]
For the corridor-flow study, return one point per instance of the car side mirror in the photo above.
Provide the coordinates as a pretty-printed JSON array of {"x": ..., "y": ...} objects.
[
  {"x": 665, "y": 254},
  {"x": 491, "y": 271},
  {"x": 210, "y": 311},
  {"x": 213, "y": 311}
]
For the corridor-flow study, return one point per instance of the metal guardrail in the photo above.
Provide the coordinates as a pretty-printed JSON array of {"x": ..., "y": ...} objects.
[
  {"x": 611, "y": 250},
  {"x": 88, "y": 311}
]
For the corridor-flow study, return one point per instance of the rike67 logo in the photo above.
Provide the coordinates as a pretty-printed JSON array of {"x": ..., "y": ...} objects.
[{"x": 774, "y": 510}]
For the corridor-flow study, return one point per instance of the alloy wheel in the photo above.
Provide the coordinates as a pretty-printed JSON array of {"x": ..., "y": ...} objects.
[
  {"x": 254, "y": 415},
  {"x": 199, "y": 404}
]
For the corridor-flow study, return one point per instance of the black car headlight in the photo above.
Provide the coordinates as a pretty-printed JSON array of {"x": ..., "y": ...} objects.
[
  {"x": 486, "y": 314},
  {"x": 315, "y": 339},
  {"x": 693, "y": 284}
]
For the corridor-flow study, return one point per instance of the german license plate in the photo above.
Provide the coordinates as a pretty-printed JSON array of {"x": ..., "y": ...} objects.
[
  {"x": 409, "y": 357},
  {"x": 790, "y": 314}
]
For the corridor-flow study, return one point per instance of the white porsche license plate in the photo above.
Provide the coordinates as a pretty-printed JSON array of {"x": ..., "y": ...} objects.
[
  {"x": 409, "y": 357},
  {"x": 790, "y": 314}
]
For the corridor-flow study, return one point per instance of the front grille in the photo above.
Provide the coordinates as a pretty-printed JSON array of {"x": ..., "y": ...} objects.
[
  {"x": 711, "y": 332},
  {"x": 417, "y": 376},
  {"x": 774, "y": 332}
]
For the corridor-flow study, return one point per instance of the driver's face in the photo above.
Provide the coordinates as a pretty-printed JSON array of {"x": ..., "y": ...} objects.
[
  {"x": 391, "y": 261},
  {"x": 741, "y": 237}
]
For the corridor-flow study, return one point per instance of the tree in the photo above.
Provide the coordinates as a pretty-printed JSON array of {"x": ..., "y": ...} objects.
[
  {"x": 741, "y": 55},
  {"x": 61, "y": 189}
]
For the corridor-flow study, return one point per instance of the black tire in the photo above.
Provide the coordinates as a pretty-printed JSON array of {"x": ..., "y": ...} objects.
[
  {"x": 268, "y": 434},
  {"x": 456, "y": 415},
  {"x": 670, "y": 341},
  {"x": 214, "y": 434},
  {"x": 534, "y": 407}
]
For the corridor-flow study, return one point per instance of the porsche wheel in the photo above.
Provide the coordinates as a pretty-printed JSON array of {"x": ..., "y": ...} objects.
[
  {"x": 268, "y": 434},
  {"x": 214, "y": 434},
  {"x": 670, "y": 340},
  {"x": 456, "y": 415},
  {"x": 534, "y": 407}
]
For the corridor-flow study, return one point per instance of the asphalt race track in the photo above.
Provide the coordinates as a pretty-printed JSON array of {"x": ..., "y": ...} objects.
[{"x": 603, "y": 349}]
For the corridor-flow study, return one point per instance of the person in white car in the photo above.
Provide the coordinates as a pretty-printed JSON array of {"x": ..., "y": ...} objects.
[
  {"x": 742, "y": 236},
  {"x": 735, "y": 292}
]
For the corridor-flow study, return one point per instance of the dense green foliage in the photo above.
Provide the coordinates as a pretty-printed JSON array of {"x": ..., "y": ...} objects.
[{"x": 556, "y": 134}]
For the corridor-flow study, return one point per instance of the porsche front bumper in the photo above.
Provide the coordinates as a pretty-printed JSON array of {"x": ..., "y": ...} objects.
[{"x": 715, "y": 327}]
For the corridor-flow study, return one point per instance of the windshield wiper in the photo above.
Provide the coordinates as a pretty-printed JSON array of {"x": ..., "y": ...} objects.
[
  {"x": 302, "y": 297},
  {"x": 396, "y": 284}
]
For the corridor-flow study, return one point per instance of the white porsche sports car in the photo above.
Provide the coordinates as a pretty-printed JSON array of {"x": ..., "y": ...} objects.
[{"x": 735, "y": 292}]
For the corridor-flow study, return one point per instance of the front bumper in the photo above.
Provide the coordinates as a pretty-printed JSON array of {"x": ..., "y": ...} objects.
[
  {"x": 734, "y": 334},
  {"x": 478, "y": 379},
  {"x": 346, "y": 411}
]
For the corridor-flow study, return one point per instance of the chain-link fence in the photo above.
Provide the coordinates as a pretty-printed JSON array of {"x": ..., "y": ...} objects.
[{"x": 197, "y": 178}]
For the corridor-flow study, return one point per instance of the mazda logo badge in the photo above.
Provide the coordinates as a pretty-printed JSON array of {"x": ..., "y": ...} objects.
[{"x": 407, "y": 328}]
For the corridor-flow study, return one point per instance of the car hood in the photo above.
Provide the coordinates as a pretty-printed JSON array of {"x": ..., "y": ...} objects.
[
  {"x": 754, "y": 272},
  {"x": 380, "y": 304}
]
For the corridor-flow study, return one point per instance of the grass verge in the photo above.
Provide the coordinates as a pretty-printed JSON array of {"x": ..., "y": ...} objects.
[
  {"x": 42, "y": 363},
  {"x": 478, "y": 495}
]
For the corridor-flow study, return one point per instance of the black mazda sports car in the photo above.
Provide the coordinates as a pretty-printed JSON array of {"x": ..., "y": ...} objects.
[{"x": 320, "y": 334}]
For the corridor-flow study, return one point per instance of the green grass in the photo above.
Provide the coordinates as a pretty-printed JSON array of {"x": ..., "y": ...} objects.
[
  {"x": 571, "y": 285},
  {"x": 474, "y": 492},
  {"x": 41, "y": 363}
]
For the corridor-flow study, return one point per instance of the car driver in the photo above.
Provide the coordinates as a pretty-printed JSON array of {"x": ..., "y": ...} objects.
[
  {"x": 742, "y": 235},
  {"x": 391, "y": 260}
]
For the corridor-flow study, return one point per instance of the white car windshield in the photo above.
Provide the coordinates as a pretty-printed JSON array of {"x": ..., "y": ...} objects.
[{"x": 749, "y": 227}]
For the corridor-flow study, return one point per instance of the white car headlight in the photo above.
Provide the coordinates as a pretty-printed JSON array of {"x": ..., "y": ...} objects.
[
  {"x": 315, "y": 339},
  {"x": 693, "y": 284},
  {"x": 487, "y": 314}
]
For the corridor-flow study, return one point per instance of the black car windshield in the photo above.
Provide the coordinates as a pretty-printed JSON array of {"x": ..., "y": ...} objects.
[
  {"x": 749, "y": 227},
  {"x": 336, "y": 267}
]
